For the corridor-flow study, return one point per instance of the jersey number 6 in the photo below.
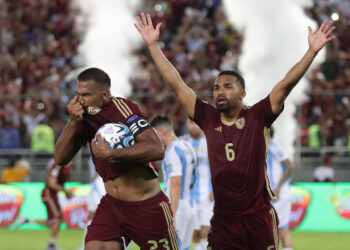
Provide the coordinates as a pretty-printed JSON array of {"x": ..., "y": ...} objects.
[{"x": 230, "y": 153}]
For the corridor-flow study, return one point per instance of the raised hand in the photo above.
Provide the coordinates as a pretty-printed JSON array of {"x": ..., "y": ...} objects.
[
  {"x": 322, "y": 36},
  {"x": 149, "y": 34},
  {"x": 75, "y": 110}
]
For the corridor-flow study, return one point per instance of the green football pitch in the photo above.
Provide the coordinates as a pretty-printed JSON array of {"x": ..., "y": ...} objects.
[{"x": 71, "y": 239}]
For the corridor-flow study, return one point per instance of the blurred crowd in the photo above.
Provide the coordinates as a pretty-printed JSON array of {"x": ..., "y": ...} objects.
[
  {"x": 324, "y": 118},
  {"x": 39, "y": 44},
  {"x": 38, "y": 50}
]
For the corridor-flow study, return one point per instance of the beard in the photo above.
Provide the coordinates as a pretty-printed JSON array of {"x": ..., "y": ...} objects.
[{"x": 222, "y": 108}]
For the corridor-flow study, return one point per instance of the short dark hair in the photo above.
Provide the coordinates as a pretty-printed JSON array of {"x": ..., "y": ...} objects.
[
  {"x": 98, "y": 75},
  {"x": 235, "y": 74},
  {"x": 161, "y": 120}
]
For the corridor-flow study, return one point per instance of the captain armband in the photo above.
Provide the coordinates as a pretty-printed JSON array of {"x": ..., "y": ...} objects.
[{"x": 137, "y": 124}]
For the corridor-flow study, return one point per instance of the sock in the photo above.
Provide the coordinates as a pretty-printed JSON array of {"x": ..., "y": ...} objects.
[
  {"x": 52, "y": 240},
  {"x": 197, "y": 246},
  {"x": 204, "y": 243},
  {"x": 287, "y": 248}
]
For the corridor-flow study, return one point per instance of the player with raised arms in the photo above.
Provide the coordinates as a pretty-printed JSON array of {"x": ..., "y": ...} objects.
[
  {"x": 134, "y": 207},
  {"x": 237, "y": 138}
]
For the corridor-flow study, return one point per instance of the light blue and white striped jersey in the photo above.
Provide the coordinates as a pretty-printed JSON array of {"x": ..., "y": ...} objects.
[
  {"x": 275, "y": 168},
  {"x": 179, "y": 160},
  {"x": 96, "y": 181},
  {"x": 203, "y": 185}
]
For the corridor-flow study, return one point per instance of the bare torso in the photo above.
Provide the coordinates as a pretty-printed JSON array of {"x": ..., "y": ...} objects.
[{"x": 136, "y": 185}]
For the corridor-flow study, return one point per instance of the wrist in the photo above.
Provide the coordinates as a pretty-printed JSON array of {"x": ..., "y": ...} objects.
[{"x": 152, "y": 45}]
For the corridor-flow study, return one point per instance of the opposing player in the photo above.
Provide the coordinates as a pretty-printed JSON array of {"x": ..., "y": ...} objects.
[
  {"x": 56, "y": 177},
  {"x": 203, "y": 190},
  {"x": 279, "y": 170},
  {"x": 237, "y": 138},
  {"x": 134, "y": 207},
  {"x": 178, "y": 165}
]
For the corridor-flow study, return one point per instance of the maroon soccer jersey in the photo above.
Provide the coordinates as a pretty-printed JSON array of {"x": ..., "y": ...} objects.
[
  {"x": 117, "y": 110},
  {"x": 237, "y": 155}
]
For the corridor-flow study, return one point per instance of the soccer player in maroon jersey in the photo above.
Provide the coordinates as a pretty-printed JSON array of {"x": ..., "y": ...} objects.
[
  {"x": 134, "y": 207},
  {"x": 56, "y": 177},
  {"x": 237, "y": 138}
]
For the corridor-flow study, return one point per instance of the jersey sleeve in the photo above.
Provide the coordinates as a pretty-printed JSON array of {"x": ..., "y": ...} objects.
[
  {"x": 135, "y": 118},
  {"x": 263, "y": 110},
  {"x": 173, "y": 162},
  {"x": 203, "y": 113}
]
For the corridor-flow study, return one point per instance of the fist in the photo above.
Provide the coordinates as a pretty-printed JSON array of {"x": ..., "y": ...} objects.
[{"x": 75, "y": 110}]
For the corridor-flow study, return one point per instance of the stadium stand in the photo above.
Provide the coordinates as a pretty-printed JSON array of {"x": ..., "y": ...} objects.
[{"x": 39, "y": 43}]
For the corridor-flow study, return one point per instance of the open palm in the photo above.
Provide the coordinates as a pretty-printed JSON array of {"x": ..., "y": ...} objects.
[
  {"x": 149, "y": 34},
  {"x": 322, "y": 36}
]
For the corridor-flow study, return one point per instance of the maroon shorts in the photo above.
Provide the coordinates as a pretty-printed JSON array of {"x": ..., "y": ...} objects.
[
  {"x": 51, "y": 202},
  {"x": 148, "y": 223},
  {"x": 254, "y": 231}
]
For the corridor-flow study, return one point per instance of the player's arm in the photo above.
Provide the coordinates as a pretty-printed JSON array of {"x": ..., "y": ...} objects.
[
  {"x": 148, "y": 147},
  {"x": 175, "y": 192},
  {"x": 68, "y": 144},
  {"x": 52, "y": 183},
  {"x": 286, "y": 175},
  {"x": 316, "y": 42},
  {"x": 170, "y": 75}
]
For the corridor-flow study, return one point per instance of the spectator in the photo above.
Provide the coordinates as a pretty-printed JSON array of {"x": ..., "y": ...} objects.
[
  {"x": 17, "y": 171},
  {"x": 325, "y": 172},
  {"x": 9, "y": 135},
  {"x": 43, "y": 138}
]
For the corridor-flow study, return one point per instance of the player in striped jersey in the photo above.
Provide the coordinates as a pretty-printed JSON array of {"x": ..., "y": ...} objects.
[
  {"x": 279, "y": 170},
  {"x": 203, "y": 190},
  {"x": 178, "y": 167}
]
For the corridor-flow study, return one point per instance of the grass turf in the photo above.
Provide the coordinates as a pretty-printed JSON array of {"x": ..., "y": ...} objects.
[{"x": 71, "y": 239}]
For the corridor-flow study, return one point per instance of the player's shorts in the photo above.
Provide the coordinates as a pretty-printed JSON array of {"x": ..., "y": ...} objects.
[
  {"x": 185, "y": 223},
  {"x": 204, "y": 211},
  {"x": 283, "y": 209},
  {"x": 148, "y": 223},
  {"x": 50, "y": 200},
  {"x": 253, "y": 231}
]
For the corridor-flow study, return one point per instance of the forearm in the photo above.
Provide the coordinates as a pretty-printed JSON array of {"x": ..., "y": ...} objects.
[
  {"x": 66, "y": 146},
  {"x": 166, "y": 69},
  {"x": 175, "y": 192},
  {"x": 297, "y": 71},
  {"x": 287, "y": 173},
  {"x": 140, "y": 152},
  {"x": 285, "y": 86}
]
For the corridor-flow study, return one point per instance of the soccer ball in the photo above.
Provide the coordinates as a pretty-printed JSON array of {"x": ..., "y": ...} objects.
[{"x": 117, "y": 135}]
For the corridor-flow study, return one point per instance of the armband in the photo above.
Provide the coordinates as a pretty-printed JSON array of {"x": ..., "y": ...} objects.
[{"x": 137, "y": 124}]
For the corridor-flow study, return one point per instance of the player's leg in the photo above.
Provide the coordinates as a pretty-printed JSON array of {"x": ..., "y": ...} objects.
[
  {"x": 206, "y": 214},
  {"x": 227, "y": 234},
  {"x": 283, "y": 208},
  {"x": 104, "y": 231},
  {"x": 286, "y": 239},
  {"x": 262, "y": 229},
  {"x": 196, "y": 238},
  {"x": 104, "y": 245},
  {"x": 150, "y": 223}
]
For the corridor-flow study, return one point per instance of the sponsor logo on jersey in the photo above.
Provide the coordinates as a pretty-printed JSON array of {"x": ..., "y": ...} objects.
[
  {"x": 93, "y": 110},
  {"x": 240, "y": 123},
  {"x": 219, "y": 129}
]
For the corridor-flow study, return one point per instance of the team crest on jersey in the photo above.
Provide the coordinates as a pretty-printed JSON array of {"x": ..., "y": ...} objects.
[
  {"x": 93, "y": 110},
  {"x": 240, "y": 123}
]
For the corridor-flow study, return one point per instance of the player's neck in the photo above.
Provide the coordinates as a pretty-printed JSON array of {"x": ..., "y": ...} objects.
[
  {"x": 169, "y": 139},
  {"x": 231, "y": 115}
]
